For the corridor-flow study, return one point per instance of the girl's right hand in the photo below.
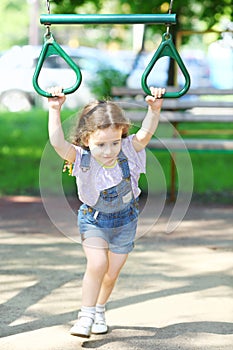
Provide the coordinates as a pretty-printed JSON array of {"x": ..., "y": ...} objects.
[{"x": 57, "y": 99}]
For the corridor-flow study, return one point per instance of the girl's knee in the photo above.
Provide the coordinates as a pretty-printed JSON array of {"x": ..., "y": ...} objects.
[
  {"x": 116, "y": 262},
  {"x": 97, "y": 264},
  {"x": 98, "y": 267},
  {"x": 111, "y": 277}
]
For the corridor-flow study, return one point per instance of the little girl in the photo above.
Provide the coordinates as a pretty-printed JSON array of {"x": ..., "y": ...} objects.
[{"x": 107, "y": 164}]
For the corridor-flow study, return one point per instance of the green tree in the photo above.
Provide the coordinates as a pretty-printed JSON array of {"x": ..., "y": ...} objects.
[
  {"x": 189, "y": 12},
  {"x": 14, "y": 23},
  {"x": 70, "y": 6},
  {"x": 191, "y": 15}
]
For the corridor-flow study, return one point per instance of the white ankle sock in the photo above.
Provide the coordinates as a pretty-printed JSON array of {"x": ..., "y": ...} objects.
[
  {"x": 100, "y": 308},
  {"x": 88, "y": 309}
]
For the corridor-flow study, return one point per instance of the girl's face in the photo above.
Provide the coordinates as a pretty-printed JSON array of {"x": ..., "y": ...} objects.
[{"x": 105, "y": 145}]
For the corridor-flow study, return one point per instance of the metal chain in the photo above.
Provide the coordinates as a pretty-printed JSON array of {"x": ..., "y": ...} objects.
[
  {"x": 170, "y": 7},
  {"x": 48, "y": 6},
  {"x": 169, "y": 12},
  {"x": 48, "y": 32}
]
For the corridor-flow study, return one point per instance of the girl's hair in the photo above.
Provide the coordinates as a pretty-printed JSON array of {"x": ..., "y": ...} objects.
[{"x": 99, "y": 115}]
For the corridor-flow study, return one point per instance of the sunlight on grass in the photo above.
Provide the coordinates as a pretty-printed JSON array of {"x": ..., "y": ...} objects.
[{"x": 21, "y": 151}]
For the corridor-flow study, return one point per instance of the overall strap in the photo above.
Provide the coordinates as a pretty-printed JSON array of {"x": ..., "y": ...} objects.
[
  {"x": 122, "y": 161},
  {"x": 85, "y": 160},
  {"x": 124, "y": 165}
]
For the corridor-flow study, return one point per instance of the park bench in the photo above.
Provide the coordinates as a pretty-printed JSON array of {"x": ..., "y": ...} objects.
[{"x": 198, "y": 106}]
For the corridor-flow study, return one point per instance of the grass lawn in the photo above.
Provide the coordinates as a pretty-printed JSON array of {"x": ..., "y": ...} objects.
[{"x": 24, "y": 138}]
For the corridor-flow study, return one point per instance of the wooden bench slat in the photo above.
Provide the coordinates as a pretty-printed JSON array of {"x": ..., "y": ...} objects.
[
  {"x": 182, "y": 117},
  {"x": 191, "y": 144},
  {"x": 125, "y": 91},
  {"x": 175, "y": 105}
]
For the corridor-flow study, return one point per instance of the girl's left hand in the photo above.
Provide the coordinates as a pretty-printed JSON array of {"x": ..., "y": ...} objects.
[
  {"x": 155, "y": 100},
  {"x": 57, "y": 99}
]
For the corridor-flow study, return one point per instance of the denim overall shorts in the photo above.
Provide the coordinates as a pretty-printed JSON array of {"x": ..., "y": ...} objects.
[{"x": 114, "y": 217}]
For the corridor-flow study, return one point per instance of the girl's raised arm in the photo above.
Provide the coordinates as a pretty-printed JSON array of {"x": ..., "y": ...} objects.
[
  {"x": 56, "y": 135},
  {"x": 151, "y": 120}
]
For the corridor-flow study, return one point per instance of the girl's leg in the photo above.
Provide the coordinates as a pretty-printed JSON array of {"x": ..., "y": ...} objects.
[
  {"x": 115, "y": 264},
  {"x": 96, "y": 252},
  {"x": 97, "y": 264}
]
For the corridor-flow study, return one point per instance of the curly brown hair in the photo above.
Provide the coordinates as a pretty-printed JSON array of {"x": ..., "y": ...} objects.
[{"x": 99, "y": 115}]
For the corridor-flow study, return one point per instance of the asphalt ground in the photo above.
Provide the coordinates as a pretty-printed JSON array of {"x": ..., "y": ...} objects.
[{"x": 175, "y": 291}]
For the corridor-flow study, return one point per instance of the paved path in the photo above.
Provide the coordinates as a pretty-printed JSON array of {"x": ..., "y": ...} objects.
[{"x": 175, "y": 292}]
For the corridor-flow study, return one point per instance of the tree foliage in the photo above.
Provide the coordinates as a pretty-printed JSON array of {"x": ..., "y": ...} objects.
[
  {"x": 70, "y": 6},
  {"x": 192, "y": 14},
  {"x": 189, "y": 12},
  {"x": 14, "y": 22}
]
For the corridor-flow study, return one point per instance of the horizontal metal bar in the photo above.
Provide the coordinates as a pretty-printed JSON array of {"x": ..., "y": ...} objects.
[{"x": 108, "y": 19}]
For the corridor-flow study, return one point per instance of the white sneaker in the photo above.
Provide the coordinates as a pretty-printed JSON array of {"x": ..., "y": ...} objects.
[
  {"x": 82, "y": 328},
  {"x": 99, "y": 326}
]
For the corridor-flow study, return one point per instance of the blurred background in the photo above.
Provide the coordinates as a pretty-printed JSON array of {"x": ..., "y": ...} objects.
[{"x": 108, "y": 55}]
